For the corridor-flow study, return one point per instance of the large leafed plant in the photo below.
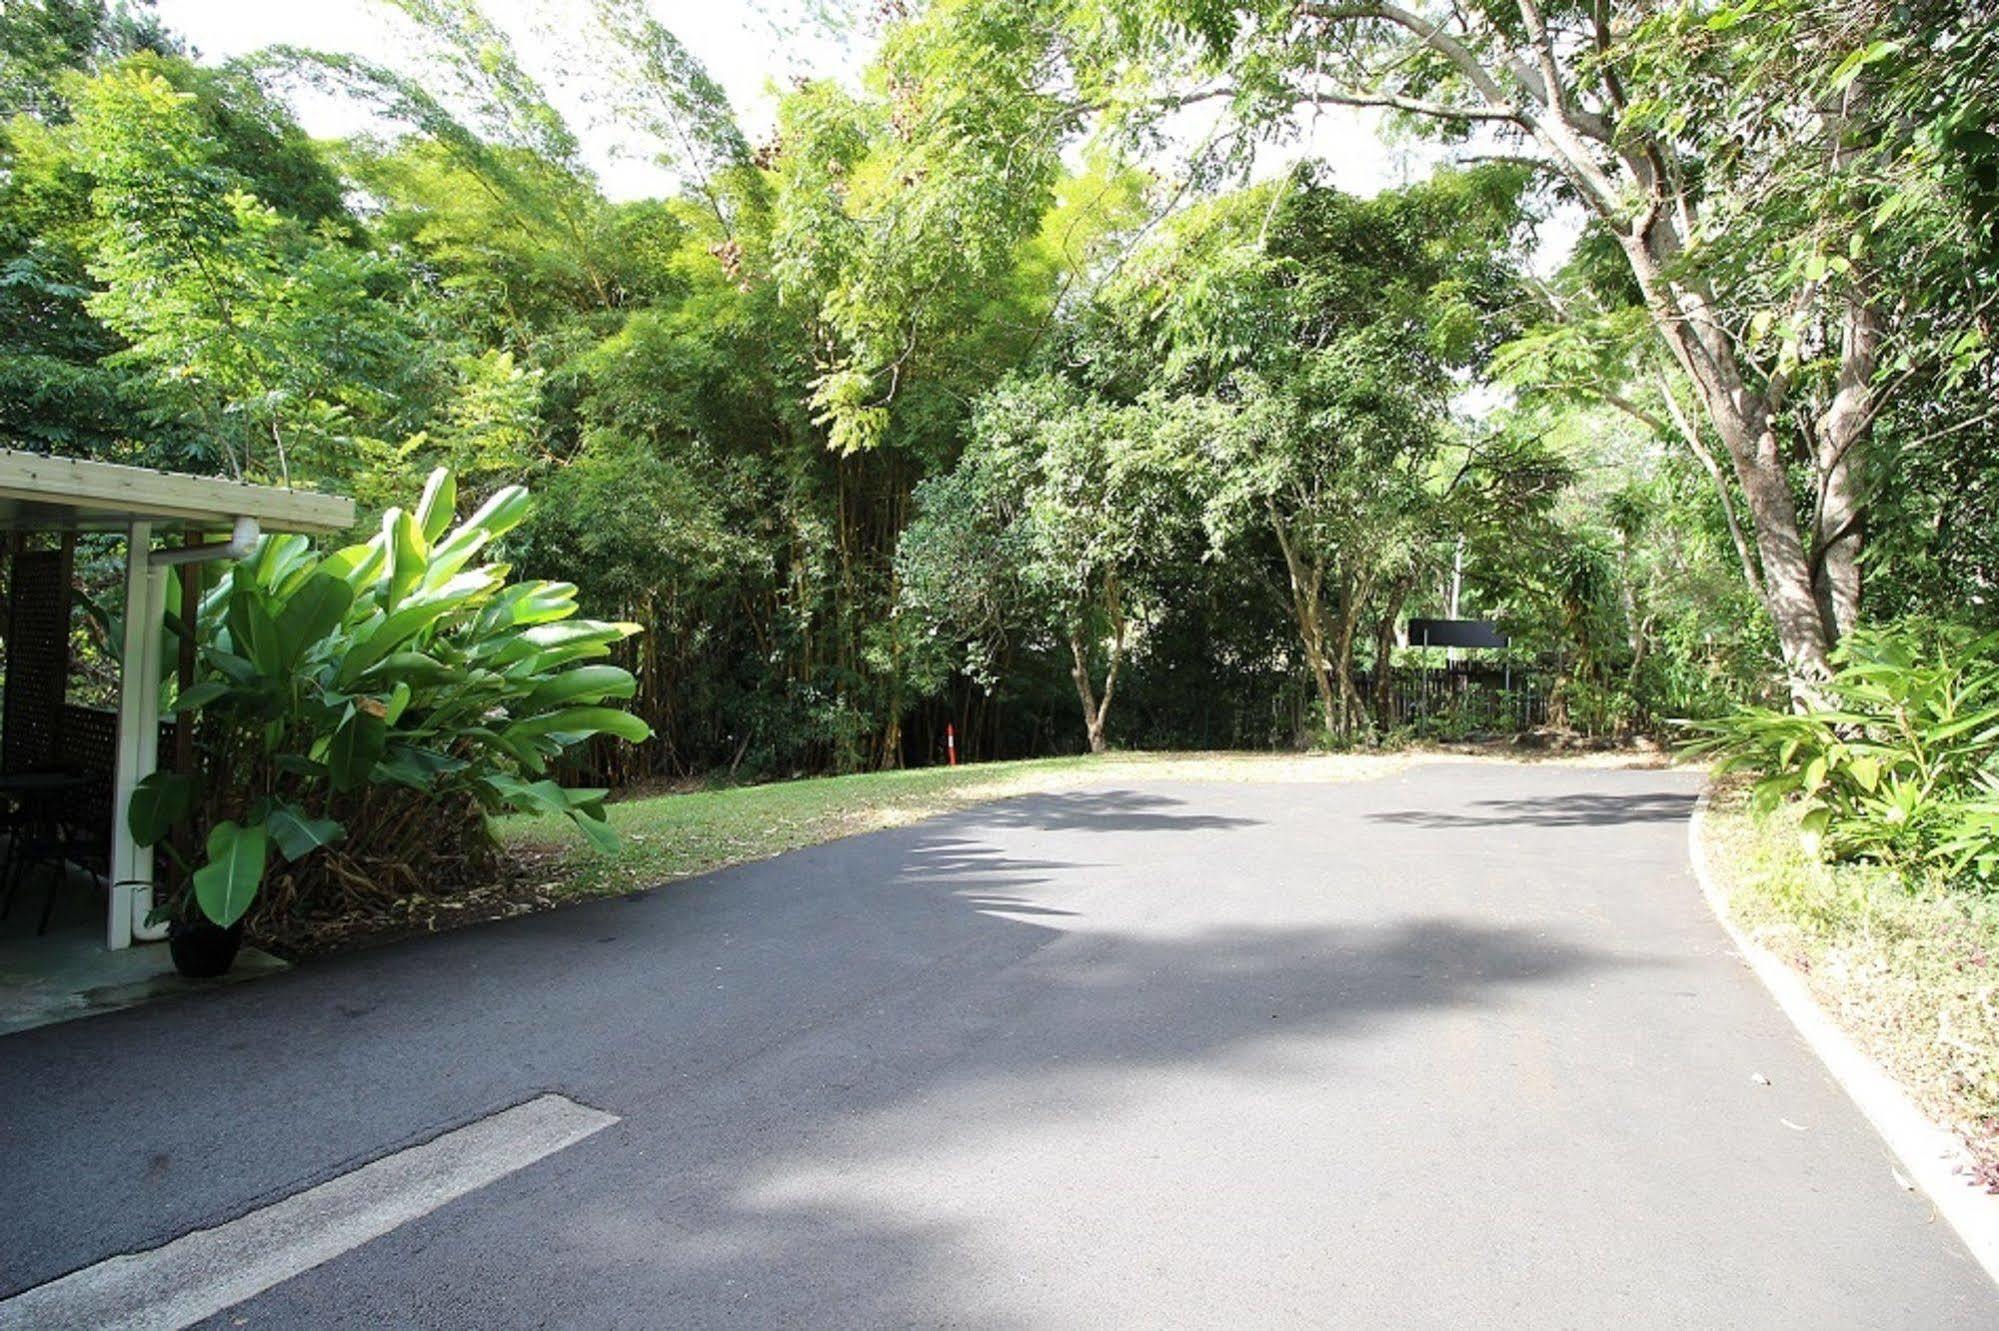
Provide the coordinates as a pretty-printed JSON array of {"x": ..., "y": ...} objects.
[
  {"x": 360, "y": 711},
  {"x": 1903, "y": 768}
]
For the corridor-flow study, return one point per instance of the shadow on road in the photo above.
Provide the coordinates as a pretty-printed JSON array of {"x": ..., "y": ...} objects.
[
  {"x": 1105, "y": 811},
  {"x": 810, "y": 1055},
  {"x": 870, "y": 1201},
  {"x": 858, "y": 1181},
  {"x": 1576, "y": 810}
]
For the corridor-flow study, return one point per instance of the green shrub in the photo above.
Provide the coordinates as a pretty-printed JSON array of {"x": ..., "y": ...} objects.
[
  {"x": 359, "y": 711},
  {"x": 1600, "y": 708},
  {"x": 1901, "y": 768},
  {"x": 1971, "y": 839}
]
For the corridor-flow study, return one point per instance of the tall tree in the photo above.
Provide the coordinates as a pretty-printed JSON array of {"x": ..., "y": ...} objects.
[
  {"x": 1342, "y": 327},
  {"x": 1068, "y": 517},
  {"x": 1763, "y": 167},
  {"x": 1761, "y": 233},
  {"x": 271, "y": 336}
]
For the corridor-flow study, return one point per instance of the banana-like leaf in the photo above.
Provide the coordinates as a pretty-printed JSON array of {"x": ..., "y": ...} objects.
[
  {"x": 582, "y": 721},
  {"x": 585, "y": 684},
  {"x": 419, "y": 769},
  {"x": 253, "y": 631},
  {"x": 277, "y": 558},
  {"x": 315, "y": 610},
  {"x": 408, "y": 557},
  {"x": 397, "y": 629},
  {"x": 494, "y": 519},
  {"x": 532, "y": 603},
  {"x": 583, "y": 807},
  {"x": 552, "y": 645},
  {"x": 505, "y": 510},
  {"x": 542, "y": 796},
  {"x": 226, "y": 885},
  {"x": 416, "y": 669},
  {"x": 159, "y": 801},
  {"x": 440, "y": 498},
  {"x": 521, "y": 749},
  {"x": 597, "y": 828},
  {"x": 240, "y": 671},
  {"x": 297, "y": 834},
  {"x": 197, "y": 696},
  {"x": 356, "y": 565},
  {"x": 357, "y": 746},
  {"x": 300, "y": 765}
]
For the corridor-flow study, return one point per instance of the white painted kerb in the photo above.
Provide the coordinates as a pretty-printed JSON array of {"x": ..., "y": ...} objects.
[{"x": 1930, "y": 1154}]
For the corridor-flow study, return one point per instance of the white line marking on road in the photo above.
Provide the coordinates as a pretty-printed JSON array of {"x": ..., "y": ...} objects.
[{"x": 200, "y": 1274}]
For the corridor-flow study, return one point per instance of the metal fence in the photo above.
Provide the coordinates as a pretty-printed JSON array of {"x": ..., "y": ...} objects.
[{"x": 1461, "y": 699}]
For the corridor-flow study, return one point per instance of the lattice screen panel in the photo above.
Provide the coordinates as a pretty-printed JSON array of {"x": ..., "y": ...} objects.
[{"x": 31, "y": 700}]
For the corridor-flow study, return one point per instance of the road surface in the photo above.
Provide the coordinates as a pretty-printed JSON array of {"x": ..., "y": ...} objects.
[{"x": 1458, "y": 1047}]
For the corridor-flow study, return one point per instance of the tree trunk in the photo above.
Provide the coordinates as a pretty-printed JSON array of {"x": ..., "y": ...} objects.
[
  {"x": 1308, "y": 609},
  {"x": 1743, "y": 418},
  {"x": 1353, "y": 713},
  {"x": 1384, "y": 651},
  {"x": 1847, "y": 428},
  {"x": 1558, "y": 694},
  {"x": 1787, "y": 573},
  {"x": 1096, "y": 709},
  {"x": 1844, "y": 433},
  {"x": 1079, "y": 670}
]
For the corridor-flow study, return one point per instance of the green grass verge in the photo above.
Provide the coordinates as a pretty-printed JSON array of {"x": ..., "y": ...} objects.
[
  {"x": 1911, "y": 971},
  {"x": 663, "y": 837}
]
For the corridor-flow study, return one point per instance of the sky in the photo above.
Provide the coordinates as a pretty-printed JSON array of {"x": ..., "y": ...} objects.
[{"x": 749, "y": 46}]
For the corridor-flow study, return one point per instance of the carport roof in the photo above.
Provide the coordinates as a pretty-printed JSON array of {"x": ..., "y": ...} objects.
[{"x": 41, "y": 493}]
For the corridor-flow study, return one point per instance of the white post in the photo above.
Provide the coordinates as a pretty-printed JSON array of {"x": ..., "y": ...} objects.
[
  {"x": 1457, "y": 592},
  {"x": 138, "y": 732}
]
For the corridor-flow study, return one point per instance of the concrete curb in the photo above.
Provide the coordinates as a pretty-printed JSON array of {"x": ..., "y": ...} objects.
[{"x": 1929, "y": 1153}]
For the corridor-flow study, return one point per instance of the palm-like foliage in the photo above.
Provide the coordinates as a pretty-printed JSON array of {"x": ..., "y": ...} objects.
[
  {"x": 363, "y": 702},
  {"x": 1903, "y": 768}
]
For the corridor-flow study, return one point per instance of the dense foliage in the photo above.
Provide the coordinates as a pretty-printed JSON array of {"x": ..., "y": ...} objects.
[
  {"x": 1008, "y": 385},
  {"x": 1903, "y": 768},
  {"x": 357, "y": 711}
]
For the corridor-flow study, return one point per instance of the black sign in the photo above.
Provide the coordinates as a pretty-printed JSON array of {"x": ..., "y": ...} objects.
[{"x": 1455, "y": 633}]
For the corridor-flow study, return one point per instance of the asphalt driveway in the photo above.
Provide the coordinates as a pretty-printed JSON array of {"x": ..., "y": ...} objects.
[{"x": 1459, "y": 1047}]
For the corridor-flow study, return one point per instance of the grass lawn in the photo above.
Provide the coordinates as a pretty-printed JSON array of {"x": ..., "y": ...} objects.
[
  {"x": 663, "y": 837},
  {"x": 1912, "y": 973}
]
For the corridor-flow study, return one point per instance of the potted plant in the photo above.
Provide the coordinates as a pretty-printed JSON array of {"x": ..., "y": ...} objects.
[
  {"x": 204, "y": 912},
  {"x": 202, "y": 947}
]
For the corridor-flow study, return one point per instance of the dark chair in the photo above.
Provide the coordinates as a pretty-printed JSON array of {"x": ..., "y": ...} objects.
[
  {"x": 33, "y": 840},
  {"x": 57, "y": 831},
  {"x": 17, "y": 821}
]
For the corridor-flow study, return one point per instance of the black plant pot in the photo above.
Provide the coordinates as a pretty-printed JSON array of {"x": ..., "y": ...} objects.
[{"x": 203, "y": 949}]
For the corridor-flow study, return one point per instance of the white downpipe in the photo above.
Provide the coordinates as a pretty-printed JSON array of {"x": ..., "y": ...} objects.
[
  {"x": 138, "y": 742},
  {"x": 147, "y": 750},
  {"x": 240, "y": 545},
  {"x": 139, "y": 714}
]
